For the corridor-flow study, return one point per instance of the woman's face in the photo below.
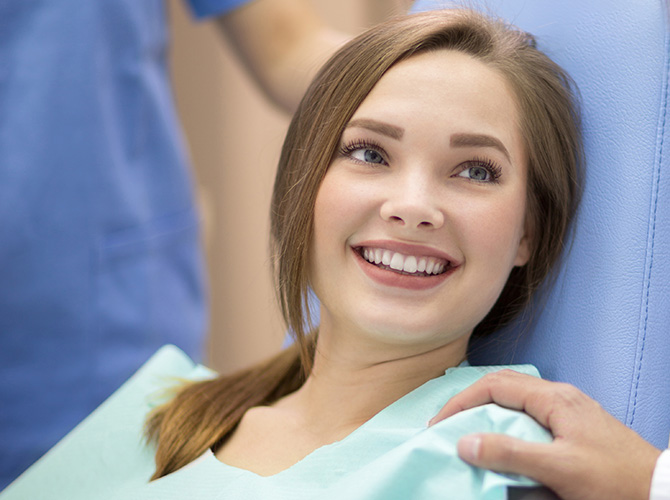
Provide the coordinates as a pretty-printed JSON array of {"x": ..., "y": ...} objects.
[{"x": 420, "y": 217}]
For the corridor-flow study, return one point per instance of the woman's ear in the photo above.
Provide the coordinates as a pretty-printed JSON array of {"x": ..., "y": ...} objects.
[{"x": 525, "y": 246}]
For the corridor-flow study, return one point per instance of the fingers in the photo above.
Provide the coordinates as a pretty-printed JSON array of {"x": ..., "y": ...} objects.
[
  {"x": 593, "y": 455},
  {"x": 507, "y": 388},
  {"x": 617, "y": 466},
  {"x": 502, "y": 453}
]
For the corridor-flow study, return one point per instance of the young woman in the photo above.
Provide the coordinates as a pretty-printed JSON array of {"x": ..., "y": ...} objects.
[{"x": 424, "y": 192}]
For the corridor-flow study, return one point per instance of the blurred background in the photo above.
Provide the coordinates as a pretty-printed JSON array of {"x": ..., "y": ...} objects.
[{"x": 234, "y": 136}]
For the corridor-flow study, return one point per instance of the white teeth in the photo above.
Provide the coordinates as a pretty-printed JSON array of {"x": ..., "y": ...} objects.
[
  {"x": 405, "y": 263},
  {"x": 397, "y": 262},
  {"x": 410, "y": 264}
]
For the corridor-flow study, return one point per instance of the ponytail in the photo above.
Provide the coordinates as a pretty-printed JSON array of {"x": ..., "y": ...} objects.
[{"x": 203, "y": 414}]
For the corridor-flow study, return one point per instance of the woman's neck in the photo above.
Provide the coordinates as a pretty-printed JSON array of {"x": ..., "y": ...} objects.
[{"x": 349, "y": 384}]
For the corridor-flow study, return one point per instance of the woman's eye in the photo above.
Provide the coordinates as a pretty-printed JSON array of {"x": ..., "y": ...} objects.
[
  {"x": 364, "y": 152},
  {"x": 481, "y": 171},
  {"x": 476, "y": 173},
  {"x": 367, "y": 155}
]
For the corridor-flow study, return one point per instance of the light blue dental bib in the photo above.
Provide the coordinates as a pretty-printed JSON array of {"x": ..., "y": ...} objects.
[{"x": 392, "y": 456}]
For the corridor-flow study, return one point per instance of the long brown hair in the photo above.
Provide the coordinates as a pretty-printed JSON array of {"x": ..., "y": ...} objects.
[{"x": 203, "y": 414}]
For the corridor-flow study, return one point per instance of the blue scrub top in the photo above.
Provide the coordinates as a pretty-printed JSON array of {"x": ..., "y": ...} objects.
[{"x": 100, "y": 262}]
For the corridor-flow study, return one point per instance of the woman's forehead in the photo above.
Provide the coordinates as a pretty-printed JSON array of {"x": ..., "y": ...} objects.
[{"x": 451, "y": 91}]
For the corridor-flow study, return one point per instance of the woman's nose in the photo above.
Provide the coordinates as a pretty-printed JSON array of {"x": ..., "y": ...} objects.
[{"x": 413, "y": 207}]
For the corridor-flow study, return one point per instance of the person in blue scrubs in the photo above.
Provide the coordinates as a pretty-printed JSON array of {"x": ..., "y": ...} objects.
[{"x": 100, "y": 262}]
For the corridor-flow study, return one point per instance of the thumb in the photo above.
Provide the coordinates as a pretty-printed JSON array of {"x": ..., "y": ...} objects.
[{"x": 502, "y": 453}]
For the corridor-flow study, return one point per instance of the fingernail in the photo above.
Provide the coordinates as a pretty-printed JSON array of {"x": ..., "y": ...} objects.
[
  {"x": 469, "y": 447},
  {"x": 431, "y": 421}
]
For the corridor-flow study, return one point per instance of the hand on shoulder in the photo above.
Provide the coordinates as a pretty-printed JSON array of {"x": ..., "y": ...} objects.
[{"x": 593, "y": 455}]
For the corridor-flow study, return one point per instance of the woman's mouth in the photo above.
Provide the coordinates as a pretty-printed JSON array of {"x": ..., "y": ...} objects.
[{"x": 409, "y": 265}]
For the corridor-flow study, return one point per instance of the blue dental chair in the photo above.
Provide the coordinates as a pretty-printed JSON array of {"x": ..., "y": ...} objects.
[{"x": 605, "y": 324}]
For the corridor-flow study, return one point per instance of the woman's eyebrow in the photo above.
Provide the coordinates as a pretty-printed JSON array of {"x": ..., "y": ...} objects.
[
  {"x": 479, "y": 140},
  {"x": 387, "y": 129}
]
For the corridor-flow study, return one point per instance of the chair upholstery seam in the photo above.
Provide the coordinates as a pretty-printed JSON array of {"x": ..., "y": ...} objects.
[{"x": 660, "y": 137}]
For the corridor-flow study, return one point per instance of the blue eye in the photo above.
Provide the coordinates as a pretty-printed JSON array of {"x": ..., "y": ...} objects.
[
  {"x": 367, "y": 155},
  {"x": 480, "y": 171},
  {"x": 364, "y": 152},
  {"x": 476, "y": 173}
]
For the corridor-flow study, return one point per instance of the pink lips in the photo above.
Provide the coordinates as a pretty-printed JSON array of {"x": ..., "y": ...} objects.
[{"x": 393, "y": 278}]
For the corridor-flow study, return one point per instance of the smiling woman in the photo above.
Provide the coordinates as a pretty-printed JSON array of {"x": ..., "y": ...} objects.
[{"x": 424, "y": 191}]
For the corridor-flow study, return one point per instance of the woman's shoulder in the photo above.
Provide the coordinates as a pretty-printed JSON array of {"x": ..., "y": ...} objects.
[{"x": 107, "y": 450}]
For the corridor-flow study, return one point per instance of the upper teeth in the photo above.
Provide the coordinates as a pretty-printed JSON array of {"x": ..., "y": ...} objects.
[{"x": 405, "y": 263}]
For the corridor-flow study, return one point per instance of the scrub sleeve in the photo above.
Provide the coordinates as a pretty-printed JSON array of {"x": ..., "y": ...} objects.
[
  {"x": 660, "y": 483},
  {"x": 100, "y": 262}
]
